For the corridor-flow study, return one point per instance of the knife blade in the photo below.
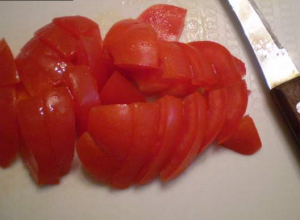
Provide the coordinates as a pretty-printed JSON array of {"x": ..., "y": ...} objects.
[{"x": 282, "y": 76}]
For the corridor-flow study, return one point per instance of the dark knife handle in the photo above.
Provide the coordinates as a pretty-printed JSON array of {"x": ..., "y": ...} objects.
[{"x": 287, "y": 98}]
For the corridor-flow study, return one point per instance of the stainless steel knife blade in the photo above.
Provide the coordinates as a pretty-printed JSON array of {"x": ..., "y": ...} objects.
[{"x": 280, "y": 73}]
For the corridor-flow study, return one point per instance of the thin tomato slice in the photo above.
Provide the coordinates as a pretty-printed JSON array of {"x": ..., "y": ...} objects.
[
  {"x": 59, "y": 40},
  {"x": 145, "y": 137},
  {"x": 84, "y": 89},
  {"x": 237, "y": 104},
  {"x": 8, "y": 125},
  {"x": 167, "y": 20},
  {"x": 90, "y": 54},
  {"x": 111, "y": 126},
  {"x": 245, "y": 140},
  {"x": 136, "y": 49},
  {"x": 193, "y": 129},
  {"x": 60, "y": 119},
  {"x": 118, "y": 90},
  {"x": 38, "y": 153},
  {"x": 79, "y": 26},
  {"x": 98, "y": 163},
  {"x": 170, "y": 128},
  {"x": 217, "y": 112},
  {"x": 21, "y": 92},
  {"x": 240, "y": 65},
  {"x": 8, "y": 70}
]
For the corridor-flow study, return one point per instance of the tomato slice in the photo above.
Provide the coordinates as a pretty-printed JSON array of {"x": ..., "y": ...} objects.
[
  {"x": 90, "y": 54},
  {"x": 245, "y": 140},
  {"x": 170, "y": 128},
  {"x": 84, "y": 89},
  {"x": 193, "y": 129},
  {"x": 108, "y": 122},
  {"x": 145, "y": 137},
  {"x": 8, "y": 68},
  {"x": 118, "y": 90},
  {"x": 79, "y": 26},
  {"x": 8, "y": 125},
  {"x": 47, "y": 61},
  {"x": 38, "y": 153},
  {"x": 98, "y": 163},
  {"x": 240, "y": 65},
  {"x": 222, "y": 60},
  {"x": 167, "y": 20},
  {"x": 60, "y": 120},
  {"x": 59, "y": 40},
  {"x": 21, "y": 92},
  {"x": 217, "y": 113},
  {"x": 237, "y": 104},
  {"x": 136, "y": 49}
]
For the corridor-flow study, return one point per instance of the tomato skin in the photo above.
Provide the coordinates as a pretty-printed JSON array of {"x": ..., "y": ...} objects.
[
  {"x": 240, "y": 65},
  {"x": 8, "y": 68},
  {"x": 8, "y": 125},
  {"x": 60, "y": 119},
  {"x": 118, "y": 90},
  {"x": 245, "y": 140},
  {"x": 41, "y": 161},
  {"x": 216, "y": 116},
  {"x": 136, "y": 49},
  {"x": 193, "y": 129},
  {"x": 171, "y": 119},
  {"x": 59, "y": 40},
  {"x": 79, "y": 26},
  {"x": 108, "y": 120},
  {"x": 98, "y": 163},
  {"x": 167, "y": 20},
  {"x": 145, "y": 136},
  {"x": 237, "y": 94}
]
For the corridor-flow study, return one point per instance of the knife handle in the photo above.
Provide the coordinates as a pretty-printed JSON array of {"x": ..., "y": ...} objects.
[{"x": 287, "y": 98}]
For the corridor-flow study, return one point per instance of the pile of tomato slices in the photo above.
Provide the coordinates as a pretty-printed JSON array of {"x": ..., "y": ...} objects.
[{"x": 68, "y": 89}]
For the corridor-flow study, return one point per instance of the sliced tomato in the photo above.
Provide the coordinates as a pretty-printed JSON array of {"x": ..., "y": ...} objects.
[
  {"x": 46, "y": 60},
  {"x": 170, "y": 128},
  {"x": 222, "y": 60},
  {"x": 145, "y": 137},
  {"x": 38, "y": 153},
  {"x": 118, "y": 90},
  {"x": 237, "y": 94},
  {"x": 60, "y": 120},
  {"x": 180, "y": 89},
  {"x": 240, "y": 65},
  {"x": 8, "y": 68},
  {"x": 111, "y": 126},
  {"x": 217, "y": 113},
  {"x": 21, "y": 92},
  {"x": 136, "y": 49},
  {"x": 79, "y": 26},
  {"x": 167, "y": 20},
  {"x": 8, "y": 125},
  {"x": 245, "y": 140},
  {"x": 193, "y": 130},
  {"x": 84, "y": 89},
  {"x": 59, "y": 40},
  {"x": 90, "y": 54},
  {"x": 98, "y": 163}
]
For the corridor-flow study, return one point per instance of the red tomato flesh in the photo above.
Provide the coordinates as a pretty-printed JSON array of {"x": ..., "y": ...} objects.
[
  {"x": 245, "y": 140},
  {"x": 8, "y": 70},
  {"x": 167, "y": 20},
  {"x": 240, "y": 66}
]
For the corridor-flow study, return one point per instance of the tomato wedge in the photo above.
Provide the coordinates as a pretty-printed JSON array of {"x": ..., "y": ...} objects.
[
  {"x": 167, "y": 20},
  {"x": 170, "y": 128},
  {"x": 118, "y": 90},
  {"x": 136, "y": 49},
  {"x": 145, "y": 137},
  {"x": 8, "y": 70},
  {"x": 245, "y": 140},
  {"x": 41, "y": 161},
  {"x": 8, "y": 125},
  {"x": 193, "y": 129},
  {"x": 99, "y": 164},
  {"x": 60, "y": 120}
]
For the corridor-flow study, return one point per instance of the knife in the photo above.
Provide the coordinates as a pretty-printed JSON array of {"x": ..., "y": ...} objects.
[{"x": 282, "y": 77}]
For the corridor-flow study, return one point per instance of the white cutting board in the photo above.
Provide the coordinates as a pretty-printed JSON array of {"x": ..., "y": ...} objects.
[{"x": 220, "y": 184}]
